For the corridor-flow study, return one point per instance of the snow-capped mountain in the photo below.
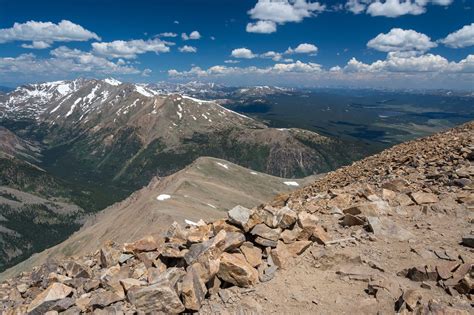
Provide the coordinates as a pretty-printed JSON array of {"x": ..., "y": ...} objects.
[{"x": 124, "y": 132}]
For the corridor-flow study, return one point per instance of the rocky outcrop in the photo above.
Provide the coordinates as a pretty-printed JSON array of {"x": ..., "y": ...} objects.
[{"x": 379, "y": 203}]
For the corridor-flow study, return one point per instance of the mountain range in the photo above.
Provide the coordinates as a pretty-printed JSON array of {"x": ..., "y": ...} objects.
[{"x": 85, "y": 144}]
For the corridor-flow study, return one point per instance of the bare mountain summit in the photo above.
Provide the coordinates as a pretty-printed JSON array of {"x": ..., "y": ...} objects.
[{"x": 391, "y": 233}]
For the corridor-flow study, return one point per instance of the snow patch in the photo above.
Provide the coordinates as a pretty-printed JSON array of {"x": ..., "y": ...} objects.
[
  {"x": 254, "y": 173},
  {"x": 223, "y": 165},
  {"x": 163, "y": 197},
  {"x": 291, "y": 183},
  {"x": 189, "y": 222},
  {"x": 112, "y": 81}
]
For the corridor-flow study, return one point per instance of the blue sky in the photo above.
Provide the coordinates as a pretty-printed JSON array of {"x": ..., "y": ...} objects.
[{"x": 354, "y": 43}]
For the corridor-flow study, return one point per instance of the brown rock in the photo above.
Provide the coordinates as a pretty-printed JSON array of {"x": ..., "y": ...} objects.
[
  {"x": 91, "y": 285},
  {"x": 266, "y": 232},
  {"x": 252, "y": 254},
  {"x": 412, "y": 298},
  {"x": 233, "y": 240},
  {"x": 445, "y": 270},
  {"x": 221, "y": 224},
  {"x": 265, "y": 242},
  {"x": 320, "y": 236},
  {"x": 109, "y": 256},
  {"x": 364, "y": 209},
  {"x": 286, "y": 217},
  {"x": 76, "y": 270},
  {"x": 129, "y": 283},
  {"x": 424, "y": 198},
  {"x": 45, "y": 300},
  {"x": 199, "y": 233},
  {"x": 208, "y": 250},
  {"x": 158, "y": 297},
  {"x": 104, "y": 298},
  {"x": 193, "y": 290},
  {"x": 351, "y": 220},
  {"x": 146, "y": 244},
  {"x": 235, "y": 269},
  {"x": 397, "y": 185}
]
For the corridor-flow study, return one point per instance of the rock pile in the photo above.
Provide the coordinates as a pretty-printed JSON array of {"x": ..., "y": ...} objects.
[
  {"x": 172, "y": 274},
  {"x": 378, "y": 203}
]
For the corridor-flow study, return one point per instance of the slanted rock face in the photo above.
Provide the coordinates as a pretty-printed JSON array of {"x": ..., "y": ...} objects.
[
  {"x": 158, "y": 297},
  {"x": 46, "y": 299}
]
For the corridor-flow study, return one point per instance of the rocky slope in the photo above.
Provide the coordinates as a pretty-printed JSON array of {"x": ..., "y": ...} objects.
[
  {"x": 391, "y": 233},
  {"x": 124, "y": 134},
  {"x": 205, "y": 189}
]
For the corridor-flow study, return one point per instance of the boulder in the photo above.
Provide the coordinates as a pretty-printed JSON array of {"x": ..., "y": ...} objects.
[
  {"x": 193, "y": 290},
  {"x": 46, "y": 299},
  {"x": 76, "y": 270},
  {"x": 146, "y": 244},
  {"x": 239, "y": 216},
  {"x": 235, "y": 269},
  {"x": 286, "y": 217},
  {"x": 266, "y": 232},
  {"x": 109, "y": 256},
  {"x": 208, "y": 250},
  {"x": 159, "y": 297},
  {"x": 252, "y": 254},
  {"x": 233, "y": 240}
]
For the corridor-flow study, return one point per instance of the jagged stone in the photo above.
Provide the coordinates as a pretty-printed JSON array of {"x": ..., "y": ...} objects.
[
  {"x": 266, "y": 232},
  {"x": 146, "y": 244},
  {"x": 104, "y": 298},
  {"x": 351, "y": 220},
  {"x": 172, "y": 250},
  {"x": 193, "y": 289},
  {"x": 199, "y": 233},
  {"x": 265, "y": 242},
  {"x": 364, "y": 209},
  {"x": 286, "y": 217},
  {"x": 282, "y": 254},
  {"x": 109, "y": 256},
  {"x": 129, "y": 283},
  {"x": 239, "y": 216},
  {"x": 171, "y": 276},
  {"x": 252, "y": 253},
  {"x": 221, "y": 224},
  {"x": 48, "y": 298},
  {"x": 424, "y": 198},
  {"x": 233, "y": 240},
  {"x": 91, "y": 285},
  {"x": 159, "y": 297},
  {"x": 76, "y": 270},
  {"x": 235, "y": 269},
  {"x": 207, "y": 250}
]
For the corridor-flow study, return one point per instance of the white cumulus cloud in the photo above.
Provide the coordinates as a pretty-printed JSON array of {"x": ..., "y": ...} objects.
[
  {"x": 187, "y": 49},
  {"x": 262, "y": 27},
  {"x": 463, "y": 37},
  {"x": 130, "y": 49},
  {"x": 243, "y": 53},
  {"x": 392, "y": 8},
  {"x": 401, "y": 40},
  {"x": 43, "y": 34},
  {"x": 304, "y": 48},
  {"x": 192, "y": 36},
  {"x": 268, "y": 13}
]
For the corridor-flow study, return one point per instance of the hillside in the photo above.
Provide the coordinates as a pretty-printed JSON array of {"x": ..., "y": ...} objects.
[
  {"x": 391, "y": 233},
  {"x": 203, "y": 190}
]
